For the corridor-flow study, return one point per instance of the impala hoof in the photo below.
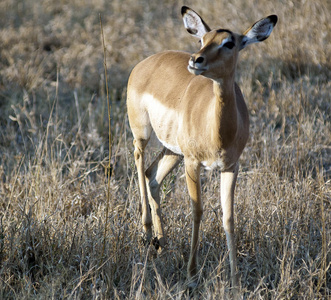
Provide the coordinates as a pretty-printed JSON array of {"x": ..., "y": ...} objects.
[
  {"x": 146, "y": 239},
  {"x": 151, "y": 241},
  {"x": 156, "y": 243}
]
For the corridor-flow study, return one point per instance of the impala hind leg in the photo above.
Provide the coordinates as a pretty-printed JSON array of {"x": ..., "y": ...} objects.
[
  {"x": 140, "y": 145},
  {"x": 228, "y": 183},
  {"x": 164, "y": 163},
  {"x": 192, "y": 172}
]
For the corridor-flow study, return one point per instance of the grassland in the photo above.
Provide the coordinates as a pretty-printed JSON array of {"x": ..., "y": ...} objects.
[{"x": 67, "y": 230}]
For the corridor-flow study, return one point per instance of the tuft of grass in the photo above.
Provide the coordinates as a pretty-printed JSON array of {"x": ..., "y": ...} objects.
[{"x": 54, "y": 150}]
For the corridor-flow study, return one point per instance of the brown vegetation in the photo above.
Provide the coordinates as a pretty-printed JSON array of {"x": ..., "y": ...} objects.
[{"x": 66, "y": 233}]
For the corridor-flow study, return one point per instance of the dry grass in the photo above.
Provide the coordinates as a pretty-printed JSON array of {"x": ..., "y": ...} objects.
[{"x": 54, "y": 238}]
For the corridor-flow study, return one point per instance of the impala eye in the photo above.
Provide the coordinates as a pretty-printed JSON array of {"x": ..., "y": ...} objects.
[{"x": 229, "y": 45}]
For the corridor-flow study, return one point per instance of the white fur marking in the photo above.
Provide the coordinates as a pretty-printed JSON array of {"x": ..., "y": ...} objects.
[
  {"x": 160, "y": 114},
  {"x": 174, "y": 149},
  {"x": 228, "y": 39},
  {"x": 215, "y": 164}
]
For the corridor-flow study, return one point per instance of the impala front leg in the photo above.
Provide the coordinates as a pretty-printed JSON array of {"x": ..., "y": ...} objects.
[
  {"x": 192, "y": 172},
  {"x": 228, "y": 183},
  {"x": 140, "y": 145}
]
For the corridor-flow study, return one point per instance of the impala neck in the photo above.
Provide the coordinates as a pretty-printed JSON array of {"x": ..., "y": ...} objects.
[
  {"x": 224, "y": 88},
  {"x": 226, "y": 111}
]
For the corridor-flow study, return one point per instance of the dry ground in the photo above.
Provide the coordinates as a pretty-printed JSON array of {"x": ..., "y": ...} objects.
[{"x": 68, "y": 232}]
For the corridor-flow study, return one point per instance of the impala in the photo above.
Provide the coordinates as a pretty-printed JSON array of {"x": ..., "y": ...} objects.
[{"x": 198, "y": 113}]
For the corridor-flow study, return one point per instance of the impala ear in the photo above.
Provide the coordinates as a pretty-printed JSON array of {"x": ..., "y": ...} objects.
[
  {"x": 259, "y": 31},
  {"x": 194, "y": 23}
]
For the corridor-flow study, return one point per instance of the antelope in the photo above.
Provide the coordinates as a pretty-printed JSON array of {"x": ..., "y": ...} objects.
[{"x": 197, "y": 111}]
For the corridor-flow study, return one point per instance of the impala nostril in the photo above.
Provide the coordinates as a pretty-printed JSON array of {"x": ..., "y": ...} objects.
[{"x": 199, "y": 60}]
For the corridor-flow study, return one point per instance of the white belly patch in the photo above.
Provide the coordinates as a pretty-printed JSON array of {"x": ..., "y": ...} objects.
[{"x": 175, "y": 149}]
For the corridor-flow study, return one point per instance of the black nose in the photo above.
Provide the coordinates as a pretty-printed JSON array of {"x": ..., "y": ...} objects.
[{"x": 199, "y": 60}]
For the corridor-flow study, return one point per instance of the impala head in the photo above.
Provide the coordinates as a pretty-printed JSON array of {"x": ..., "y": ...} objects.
[{"x": 218, "y": 55}]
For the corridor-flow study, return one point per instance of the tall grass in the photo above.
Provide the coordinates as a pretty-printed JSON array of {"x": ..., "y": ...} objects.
[{"x": 54, "y": 155}]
